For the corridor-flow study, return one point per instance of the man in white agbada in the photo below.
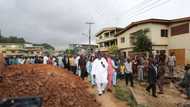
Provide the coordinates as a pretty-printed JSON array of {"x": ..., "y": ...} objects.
[{"x": 100, "y": 73}]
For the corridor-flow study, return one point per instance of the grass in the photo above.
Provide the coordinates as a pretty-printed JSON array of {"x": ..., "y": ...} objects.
[
  {"x": 120, "y": 93},
  {"x": 124, "y": 94}
]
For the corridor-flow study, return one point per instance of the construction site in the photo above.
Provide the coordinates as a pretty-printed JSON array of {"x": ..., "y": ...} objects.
[{"x": 57, "y": 88}]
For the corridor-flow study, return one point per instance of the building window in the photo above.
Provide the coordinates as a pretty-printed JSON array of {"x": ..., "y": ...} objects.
[
  {"x": 181, "y": 29},
  {"x": 13, "y": 51},
  {"x": 101, "y": 45},
  {"x": 106, "y": 35},
  {"x": 160, "y": 51},
  {"x": 100, "y": 37},
  {"x": 106, "y": 44},
  {"x": 123, "y": 40},
  {"x": 164, "y": 33},
  {"x": 124, "y": 54},
  {"x": 112, "y": 33},
  {"x": 132, "y": 39}
]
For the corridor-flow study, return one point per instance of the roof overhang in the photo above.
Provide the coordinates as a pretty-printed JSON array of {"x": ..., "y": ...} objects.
[{"x": 155, "y": 21}]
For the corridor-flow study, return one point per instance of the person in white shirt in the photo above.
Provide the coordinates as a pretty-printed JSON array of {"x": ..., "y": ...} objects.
[
  {"x": 45, "y": 60},
  {"x": 60, "y": 62},
  {"x": 100, "y": 73},
  {"x": 54, "y": 60},
  {"x": 129, "y": 72},
  {"x": 19, "y": 60},
  {"x": 78, "y": 71},
  {"x": 171, "y": 63},
  {"x": 23, "y": 59}
]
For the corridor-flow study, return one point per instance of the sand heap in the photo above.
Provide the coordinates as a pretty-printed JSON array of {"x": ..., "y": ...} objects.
[
  {"x": 57, "y": 87},
  {"x": 1, "y": 63}
]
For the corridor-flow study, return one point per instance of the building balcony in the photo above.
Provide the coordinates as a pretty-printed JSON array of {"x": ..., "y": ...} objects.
[{"x": 105, "y": 39}]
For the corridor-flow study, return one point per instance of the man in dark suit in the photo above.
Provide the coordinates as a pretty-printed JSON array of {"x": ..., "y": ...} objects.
[
  {"x": 186, "y": 80},
  {"x": 152, "y": 77},
  {"x": 82, "y": 64}
]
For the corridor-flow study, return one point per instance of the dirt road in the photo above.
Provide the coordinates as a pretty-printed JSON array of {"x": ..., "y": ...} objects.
[{"x": 108, "y": 100}]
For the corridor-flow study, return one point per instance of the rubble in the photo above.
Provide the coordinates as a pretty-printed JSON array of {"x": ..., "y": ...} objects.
[{"x": 57, "y": 87}]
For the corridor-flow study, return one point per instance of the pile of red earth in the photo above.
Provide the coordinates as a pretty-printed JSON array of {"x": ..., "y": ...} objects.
[
  {"x": 1, "y": 63},
  {"x": 57, "y": 87}
]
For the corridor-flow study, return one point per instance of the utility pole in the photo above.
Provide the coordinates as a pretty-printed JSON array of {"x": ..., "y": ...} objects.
[{"x": 89, "y": 35}]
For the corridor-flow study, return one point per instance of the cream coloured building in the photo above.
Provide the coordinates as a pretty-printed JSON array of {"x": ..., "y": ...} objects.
[
  {"x": 20, "y": 49},
  {"x": 167, "y": 35},
  {"x": 154, "y": 27},
  {"x": 106, "y": 38},
  {"x": 179, "y": 39}
]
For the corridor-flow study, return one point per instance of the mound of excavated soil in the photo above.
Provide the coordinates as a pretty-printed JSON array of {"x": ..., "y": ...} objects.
[
  {"x": 57, "y": 87},
  {"x": 1, "y": 63}
]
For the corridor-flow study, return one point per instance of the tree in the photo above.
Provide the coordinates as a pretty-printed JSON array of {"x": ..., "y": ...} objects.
[
  {"x": 142, "y": 42},
  {"x": 11, "y": 39},
  {"x": 69, "y": 51},
  {"x": 113, "y": 50}
]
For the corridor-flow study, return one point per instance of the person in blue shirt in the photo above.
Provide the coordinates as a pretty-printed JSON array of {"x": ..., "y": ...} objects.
[{"x": 89, "y": 70}]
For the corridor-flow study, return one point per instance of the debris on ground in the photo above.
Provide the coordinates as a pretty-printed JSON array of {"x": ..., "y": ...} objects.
[{"x": 171, "y": 97}]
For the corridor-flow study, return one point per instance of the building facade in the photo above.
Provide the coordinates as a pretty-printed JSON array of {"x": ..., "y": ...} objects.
[
  {"x": 11, "y": 49},
  {"x": 83, "y": 48},
  {"x": 18, "y": 49},
  {"x": 165, "y": 35},
  {"x": 179, "y": 40},
  {"x": 106, "y": 38}
]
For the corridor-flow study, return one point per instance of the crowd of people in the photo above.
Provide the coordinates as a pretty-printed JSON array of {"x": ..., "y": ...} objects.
[
  {"x": 104, "y": 70},
  {"x": 13, "y": 60}
]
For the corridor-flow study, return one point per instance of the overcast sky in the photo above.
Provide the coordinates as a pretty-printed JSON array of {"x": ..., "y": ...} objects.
[{"x": 60, "y": 22}]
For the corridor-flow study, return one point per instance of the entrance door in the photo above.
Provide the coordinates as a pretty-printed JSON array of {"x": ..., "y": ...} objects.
[{"x": 180, "y": 55}]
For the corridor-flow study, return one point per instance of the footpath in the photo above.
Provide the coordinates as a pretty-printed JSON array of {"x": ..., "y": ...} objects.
[{"x": 107, "y": 99}]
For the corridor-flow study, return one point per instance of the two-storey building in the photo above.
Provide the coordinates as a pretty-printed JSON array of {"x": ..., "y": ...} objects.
[
  {"x": 106, "y": 38},
  {"x": 20, "y": 49},
  {"x": 179, "y": 39},
  {"x": 165, "y": 35},
  {"x": 155, "y": 29}
]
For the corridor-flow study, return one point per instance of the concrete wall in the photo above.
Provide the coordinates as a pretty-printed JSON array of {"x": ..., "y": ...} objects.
[
  {"x": 180, "y": 42},
  {"x": 156, "y": 34}
]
